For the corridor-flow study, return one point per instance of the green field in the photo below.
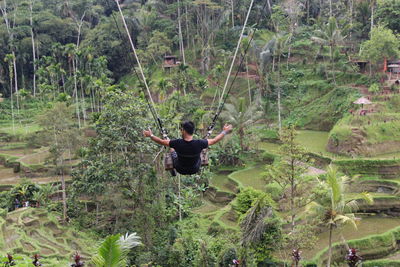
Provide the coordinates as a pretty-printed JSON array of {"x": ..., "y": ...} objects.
[
  {"x": 251, "y": 176},
  {"x": 19, "y": 129},
  {"x": 27, "y": 231},
  {"x": 367, "y": 226}
]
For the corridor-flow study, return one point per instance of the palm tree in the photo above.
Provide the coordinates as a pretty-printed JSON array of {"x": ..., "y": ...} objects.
[
  {"x": 280, "y": 46},
  {"x": 47, "y": 191},
  {"x": 114, "y": 250},
  {"x": 329, "y": 35},
  {"x": 261, "y": 229},
  {"x": 164, "y": 85},
  {"x": 339, "y": 209},
  {"x": 8, "y": 59},
  {"x": 24, "y": 191},
  {"x": 273, "y": 50},
  {"x": 182, "y": 77},
  {"x": 71, "y": 51},
  {"x": 242, "y": 115},
  {"x": 38, "y": 197}
]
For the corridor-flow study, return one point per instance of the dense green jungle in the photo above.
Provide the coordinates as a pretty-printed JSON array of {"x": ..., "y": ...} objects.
[{"x": 308, "y": 176}]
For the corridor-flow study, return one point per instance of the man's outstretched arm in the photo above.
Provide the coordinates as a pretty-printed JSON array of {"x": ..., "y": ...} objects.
[
  {"x": 227, "y": 129},
  {"x": 156, "y": 139}
]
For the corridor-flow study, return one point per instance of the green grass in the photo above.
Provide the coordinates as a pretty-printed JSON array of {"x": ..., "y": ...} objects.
[
  {"x": 33, "y": 230},
  {"x": 322, "y": 112},
  {"x": 374, "y": 129},
  {"x": 314, "y": 141},
  {"x": 19, "y": 130},
  {"x": 12, "y": 145},
  {"x": 381, "y": 263},
  {"x": 251, "y": 176},
  {"x": 272, "y": 148},
  {"x": 207, "y": 207},
  {"x": 367, "y": 226},
  {"x": 39, "y": 157},
  {"x": 221, "y": 182}
]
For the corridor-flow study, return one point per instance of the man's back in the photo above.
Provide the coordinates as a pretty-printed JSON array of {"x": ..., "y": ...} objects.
[{"x": 188, "y": 154}]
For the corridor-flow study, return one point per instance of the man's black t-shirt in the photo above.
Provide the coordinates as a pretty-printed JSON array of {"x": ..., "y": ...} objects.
[{"x": 188, "y": 154}]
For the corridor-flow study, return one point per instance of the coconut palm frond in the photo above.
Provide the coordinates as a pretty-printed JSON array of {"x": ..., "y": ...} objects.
[
  {"x": 334, "y": 184},
  {"x": 254, "y": 223},
  {"x": 351, "y": 205},
  {"x": 110, "y": 253},
  {"x": 367, "y": 197},
  {"x": 314, "y": 208},
  {"x": 346, "y": 219},
  {"x": 129, "y": 241}
]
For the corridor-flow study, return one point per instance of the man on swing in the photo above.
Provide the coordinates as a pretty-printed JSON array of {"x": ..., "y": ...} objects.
[{"x": 186, "y": 150}]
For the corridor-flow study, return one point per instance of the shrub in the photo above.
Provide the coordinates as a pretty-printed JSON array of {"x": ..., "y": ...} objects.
[
  {"x": 274, "y": 190},
  {"x": 366, "y": 166},
  {"x": 267, "y": 157},
  {"x": 246, "y": 198},
  {"x": 381, "y": 263},
  {"x": 372, "y": 246},
  {"x": 374, "y": 88},
  {"x": 227, "y": 257}
]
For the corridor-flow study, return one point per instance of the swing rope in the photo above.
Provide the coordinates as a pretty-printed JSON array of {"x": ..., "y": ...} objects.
[
  {"x": 141, "y": 78},
  {"x": 223, "y": 97}
]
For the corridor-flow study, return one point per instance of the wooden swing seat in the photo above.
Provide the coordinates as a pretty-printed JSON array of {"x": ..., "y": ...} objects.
[{"x": 169, "y": 164}]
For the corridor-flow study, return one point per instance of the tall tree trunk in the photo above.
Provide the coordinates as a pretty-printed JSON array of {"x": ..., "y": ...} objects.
[
  {"x": 64, "y": 194},
  {"x": 372, "y": 13},
  {"x": 292, "y": 194},
  {"x": 248, "y": 80},
  {"x": 76, "y": 94},
  {"x": 33, "y": 46},
  {"x": 15, "y": 78},
  {"x": 330, "y": 246},
  {"x": 269, "y": 6},
  {"x": 11, "y": 97},
  {"x": 290, "y": 46},
  {"x": 331, "y": 48},
  {"x": 233, "y": 14},
  {"x": 181, "y": 46},
  {"x": 279, "y": 94},
  {"x": 83, "y": 105},
  {"x": 241, "y": 136},
  {"x": 97, "y": 212},
  {"x": 187, "y": 27},
  {"x": 180, "y": 198},
  {"x": 75, "y": 69},
  {"x": 351, "y": 17}
]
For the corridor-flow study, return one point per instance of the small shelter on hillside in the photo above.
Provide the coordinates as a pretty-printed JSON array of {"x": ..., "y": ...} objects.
[
  {"x": 393, "y": 66},
  {"x": 362, "y": 101},
  {"x": 170, "y": 62},
  {"x": 362, "y": 64}
]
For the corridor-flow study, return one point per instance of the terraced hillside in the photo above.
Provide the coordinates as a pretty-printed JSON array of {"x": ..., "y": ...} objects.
[
  {"x": 369, "y": 130},
  {"x": 19, "y": 161},
  {"x": 28, "y": 231},
  {"x": 378, "y": 220}
]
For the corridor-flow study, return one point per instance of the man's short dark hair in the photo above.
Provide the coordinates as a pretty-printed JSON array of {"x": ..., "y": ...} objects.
[{"x": 188, "y": 126}]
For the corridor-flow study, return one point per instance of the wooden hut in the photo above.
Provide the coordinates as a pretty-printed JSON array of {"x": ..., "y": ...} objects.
[
  {"x": 393, "y": 66},
  {"x": 362, "y": 64},
  {"x": 170, "y": 62}
]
